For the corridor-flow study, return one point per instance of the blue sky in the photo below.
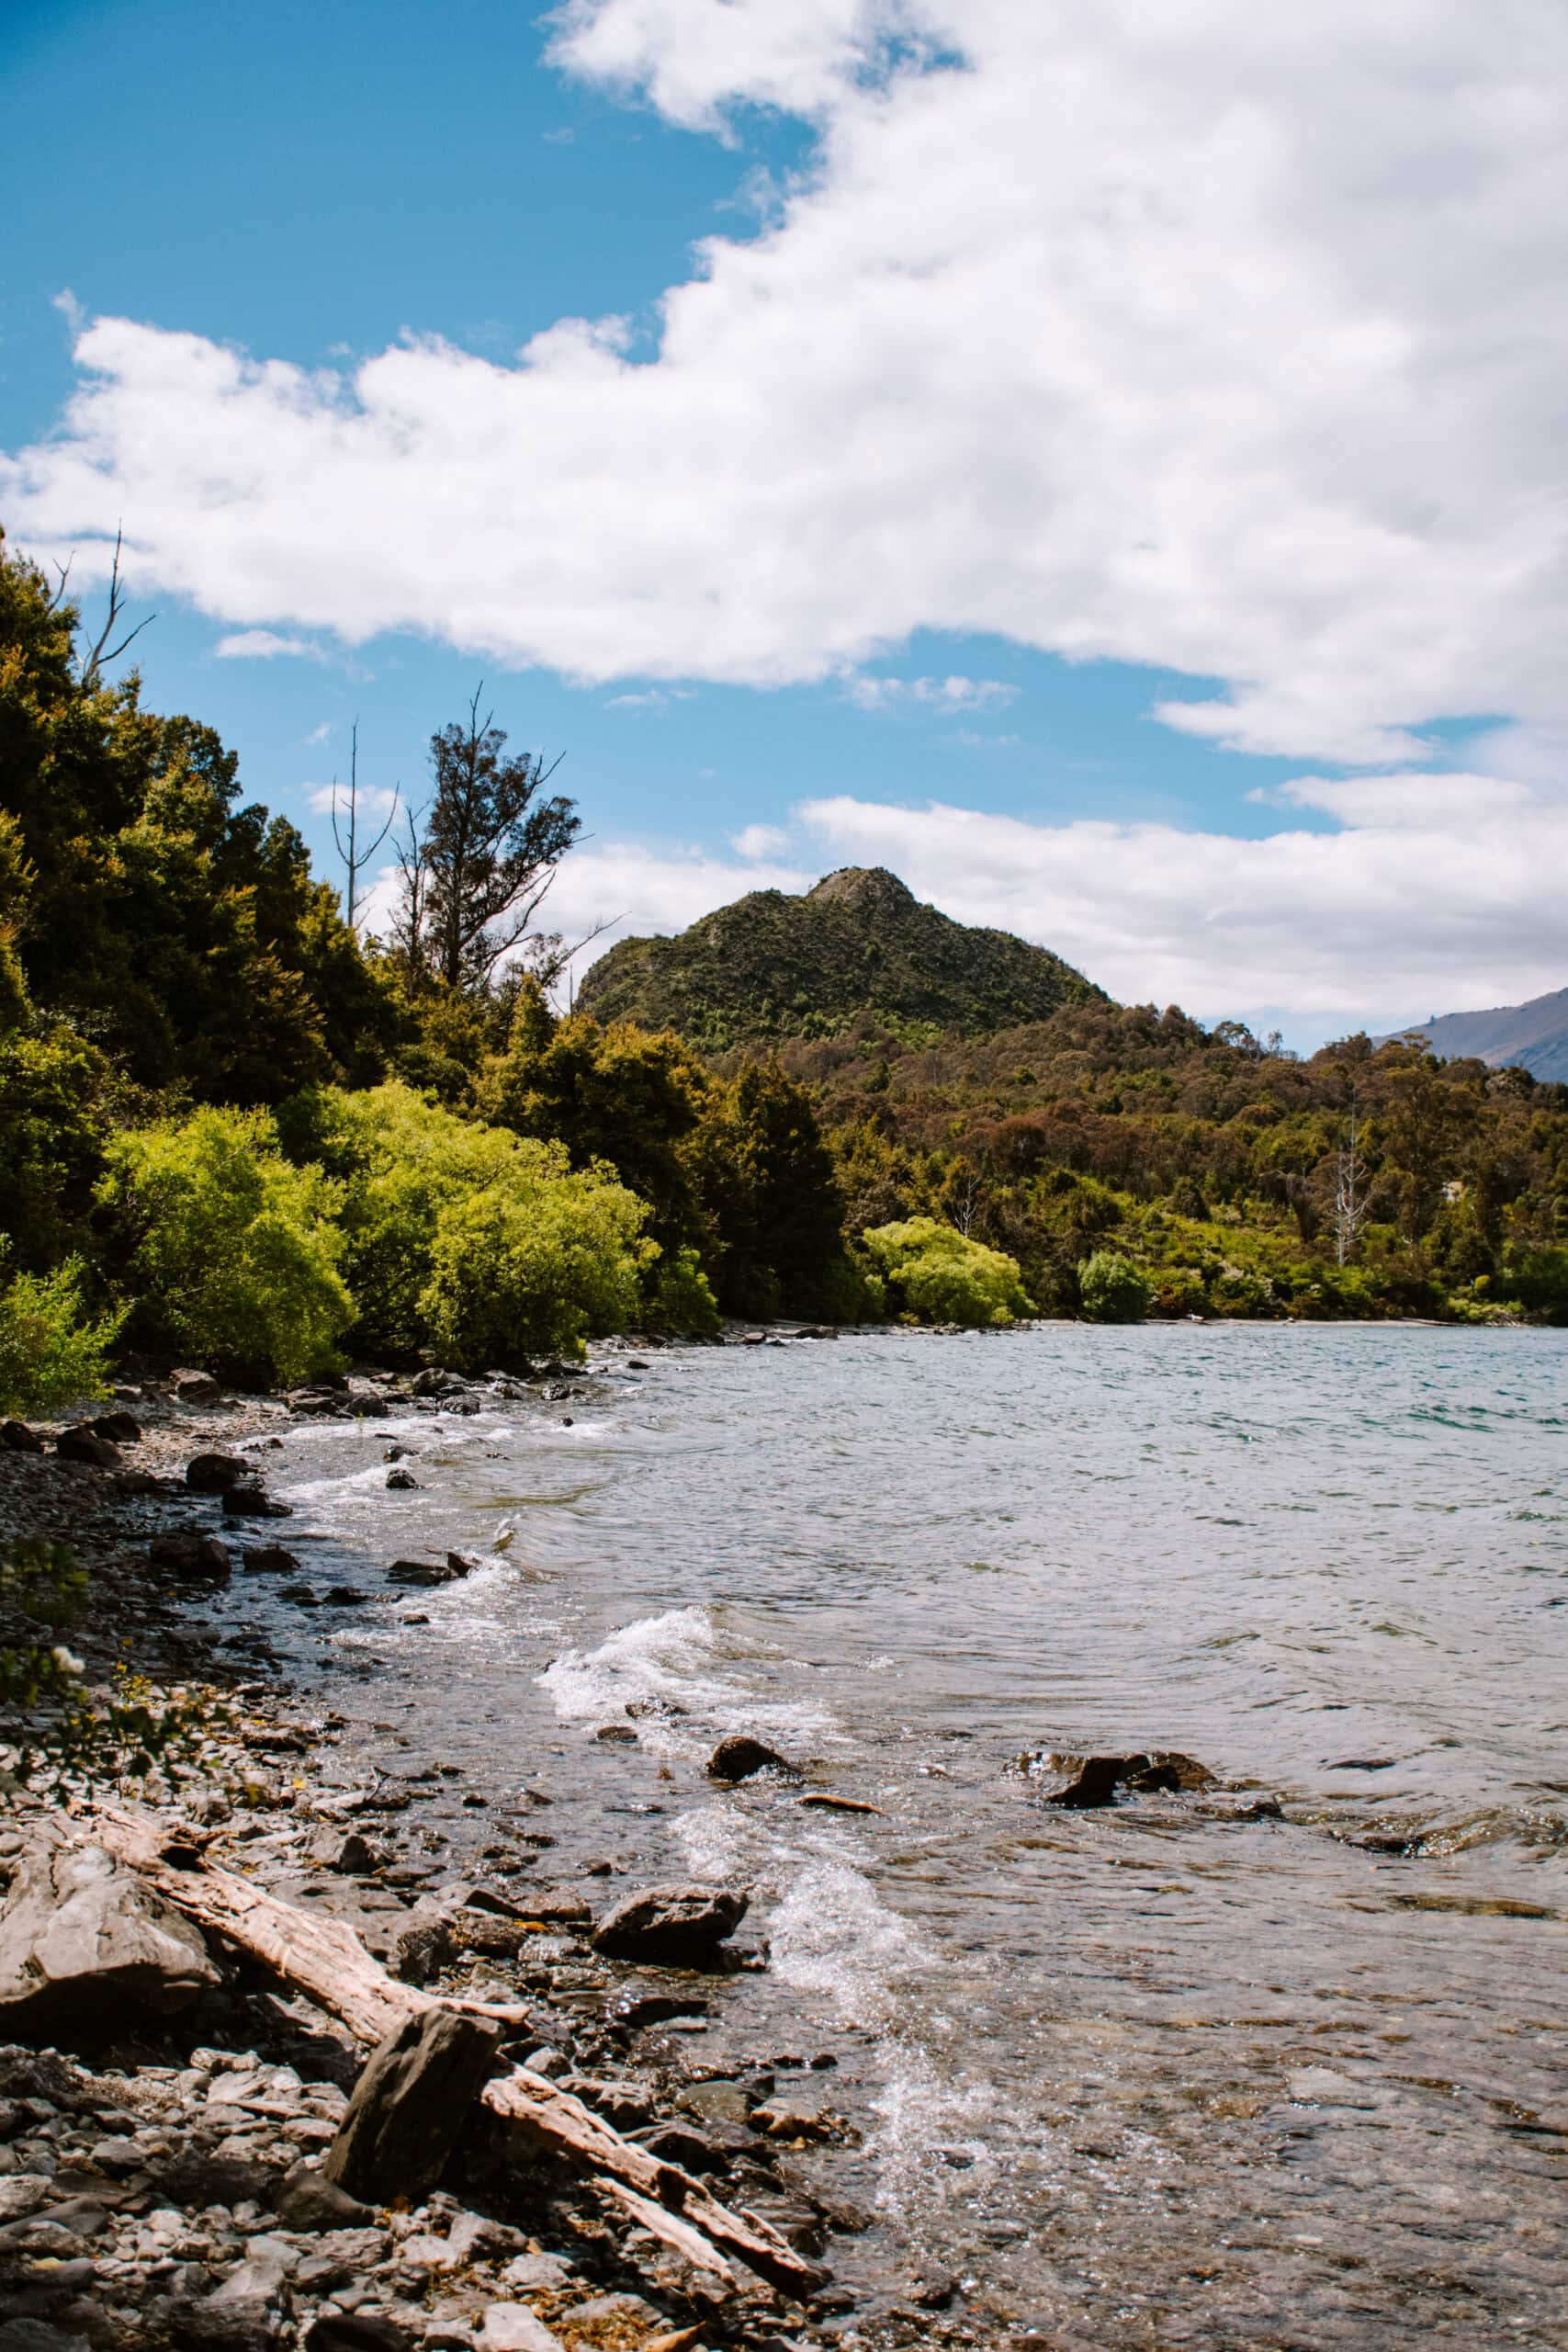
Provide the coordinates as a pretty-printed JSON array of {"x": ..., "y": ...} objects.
[{"x": 890, "y": 619}]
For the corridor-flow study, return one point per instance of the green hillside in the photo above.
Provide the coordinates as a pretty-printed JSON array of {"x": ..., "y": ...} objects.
[{"x": 860, "y": 944}]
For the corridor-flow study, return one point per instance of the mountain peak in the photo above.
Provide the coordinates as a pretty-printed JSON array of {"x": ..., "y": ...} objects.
[{"x": 858, "y": 944}]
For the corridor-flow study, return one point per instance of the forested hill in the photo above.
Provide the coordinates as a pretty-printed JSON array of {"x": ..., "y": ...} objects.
[{"x": 860, "y": 944}]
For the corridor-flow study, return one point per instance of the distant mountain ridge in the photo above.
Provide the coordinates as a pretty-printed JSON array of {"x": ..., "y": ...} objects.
[
  {"x": 772, "y": 966},
  {"x": 1533, "y": 1034}
]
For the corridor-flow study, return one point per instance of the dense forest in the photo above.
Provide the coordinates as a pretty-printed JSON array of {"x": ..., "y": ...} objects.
[{"x": 235, "y": 1129}]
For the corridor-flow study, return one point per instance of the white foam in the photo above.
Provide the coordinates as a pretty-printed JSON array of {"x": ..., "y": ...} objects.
[{"x": 679, "y": 1660}]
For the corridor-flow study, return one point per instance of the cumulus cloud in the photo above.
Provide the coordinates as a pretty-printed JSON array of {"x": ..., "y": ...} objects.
[
  {"x": 1211, "y": 336},
  {"x": 264, "y": 645},
  {"x": 375, "y": 801},
  {"x": 949, "y": 697}
]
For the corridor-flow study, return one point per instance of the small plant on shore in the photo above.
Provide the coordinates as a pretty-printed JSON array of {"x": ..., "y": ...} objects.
[
  {"x": 1112, "y": 1290},
  {"x": 937, "y": 1274},
  {"x": 51, "y": 1349},
  {"x": 57, "y": 1735}
]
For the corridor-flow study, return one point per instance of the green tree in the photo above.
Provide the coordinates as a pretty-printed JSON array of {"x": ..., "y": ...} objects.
[
  {"x": 1112, "y": 1290},
  {"x": 766, "y": 1181},
  {"x": 937, "y": 1274}
]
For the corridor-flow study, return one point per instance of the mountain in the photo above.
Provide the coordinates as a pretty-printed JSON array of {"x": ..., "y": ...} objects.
[
  {"x": 1534, "y": 1035},
  {"x": 773, "y": 966}
]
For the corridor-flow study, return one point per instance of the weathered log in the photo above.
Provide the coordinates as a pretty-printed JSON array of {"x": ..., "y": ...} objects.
[
  {"x": 409, "y": 2105},
  {"x": 326, "y": 1960}
]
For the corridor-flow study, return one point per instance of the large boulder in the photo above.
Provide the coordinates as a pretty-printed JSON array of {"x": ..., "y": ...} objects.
[
  {"x": 681, "y": 1926},
  {"x": 199, "y": 1559},
  {"x": 741, "y": 1757},
  {"x": 214, "y": 1473},
  {"x": 83, "y": 1443},
  {"x": 81, "y": 1936},
  {"x": 195, "y": 1387}
]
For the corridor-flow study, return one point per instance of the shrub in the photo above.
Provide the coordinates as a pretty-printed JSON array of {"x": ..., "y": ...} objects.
[
  {"x": 1537, "y": 1275},
  {"x": 534, "y": 1261},
  {"x": 51, "y": 1351},
  {"x": 932, "y": 1272},
  {"x": 679, "y": 1297},
  {"x": 1112, "y": 1290},
  {"x": 235, "y": 1252}
]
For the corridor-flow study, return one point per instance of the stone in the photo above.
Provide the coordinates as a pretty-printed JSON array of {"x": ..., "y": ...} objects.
[
  {"x": 411, "y": 2099},
  {"x": 300, "y": 1594},
  {"x": 309, "y": 2200},
  {"x": 433, "y": 1383},
  {"x": 121, "y": 1429},
  {"x": 201, "y": 1559},
  {"x": 269, "y": 1560},
  {"x": 22, "y": 2193},
  {"x": 214, "y": 1473},
  {"x": 539, "y": 2274},
  {"x": 476, "y": 2236},
  {"x": 16, "y": 1438},
  {"x": 739, "y": 1758},
  {"x": 195, "y": 1387},
  {"x": 419, "y": 1572},
  {"x": 401, "y": 1482},
  {"x": 81, "y": 1937},
  {"x": 512, "y": 2327},
  {"x": 1085, "y": 1782},
  {"x": 340, "y": 2331},
  {"x": 254, "y": 1502},
  {"x": 353, "y": 1856},
  {"x": 677, "y": 1925},
  {"x": 84, "y": 1444}
]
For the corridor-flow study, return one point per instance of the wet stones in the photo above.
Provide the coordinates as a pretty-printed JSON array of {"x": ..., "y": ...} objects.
[
  {"x": 423, "y": 1572},
  {"x": 401, "y": 1482},
  {"x": 16, "y": 1438},
  {"x": 269, "y": 1560},
  {"x": 679, "y": 1925},
  {"x": 216, "y": 1474},
  {"x": 254, "y": 1502},
  {"x": 741, "y": 1757},
  {"x": 1080, "y": 1783},
  {"x": 83, "y": 1443},
  {"x": 196, "y": 1559}
]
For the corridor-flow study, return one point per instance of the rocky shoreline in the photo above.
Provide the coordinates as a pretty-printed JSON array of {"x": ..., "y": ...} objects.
[{"x": 161, "y": 2175}]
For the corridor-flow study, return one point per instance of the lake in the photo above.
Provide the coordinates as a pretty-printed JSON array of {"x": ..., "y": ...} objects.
[{"x": 1142, "y": 2073}]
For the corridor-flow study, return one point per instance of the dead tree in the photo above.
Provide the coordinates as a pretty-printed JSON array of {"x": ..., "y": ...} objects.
[
  {"x": 103, "y": 651},
  {"x": 1350, "y": 1198},
  {"x": 355, "y": 858}
]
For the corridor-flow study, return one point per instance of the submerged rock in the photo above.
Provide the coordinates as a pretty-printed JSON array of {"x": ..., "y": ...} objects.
[
  {"x": 269, "y": 1560},
  {"x": 202, "y": 1559},
  {"x": 421, "y": 1572},
  {"x": 1086, "y": 1782},
  {"x": 741, "y": 1757},
  {"x": 254, "y": 1502},
  {"x": 679, "y": 1925}
]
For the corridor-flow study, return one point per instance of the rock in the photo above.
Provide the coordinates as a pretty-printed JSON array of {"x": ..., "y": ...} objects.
[
  {"x": 398, "y": 1452},
  {"x": 512, "y": 2327},
  {"x": 401, "y": 1482},
  {"x": 931, "y": 2287},
  {"x": 121, "y": 1429},
  {"x": 84, "y": 1444},
  {"x": 678, "y": 1925},
  {"x": 475, "y": 2237},
  {"x": 81, "y": 1937},
  {"x": 1080, "y": 1783},
  {"x": 214, "y": 1473},
  {"x": 254, "y": 1502},
  {"x": 339, "y": 2330},
  {"x": 739, "y": 1758},
  {"x": 200, "y": 1558},
  {"x": 269, "y": 1560},
  {"x": 195, "y": 1387},
  {"x": 545, "y": 2274},
  {"x": 616, "y": 1735},
  {"x": 433, "y": 1383},
  {"x": 351, "y": 1857},
  {"x": 409, "y": 2103},
  {"x": 22, "y": 2193},
  {"x": 420, "y": 1572},
  {"x": 344, "y": 1596},
  {"x": 309, "y": 2200},
  {"x": 555, "y": 1906},
  {"x": 300, "y": 1594},
  {"x": 16, "y": 1438},
  {"x": 459, "y": 1565}
]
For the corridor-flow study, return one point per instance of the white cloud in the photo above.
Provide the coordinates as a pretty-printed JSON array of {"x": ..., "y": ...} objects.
[
  {"x": 758, "y": 841},
  {"x": 375, "y": 801},
  {"x": 654, "y": 698},
  {"x": 974, "y": 742},
  {"x": 948, "y": 696},
  {"x": 319, "y": 734},
  {"x": 1214, "y": 337},
  {"x": 262, "y": 645}
]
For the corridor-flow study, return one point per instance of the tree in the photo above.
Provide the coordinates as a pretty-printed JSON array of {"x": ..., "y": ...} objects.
[
  {"x": 355, "y": 854},
  {"x": 1350, "y": 1196},
  {"x": 475, "y": 878}
]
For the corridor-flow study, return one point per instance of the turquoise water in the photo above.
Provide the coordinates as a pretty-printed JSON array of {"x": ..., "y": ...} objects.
[{"x": 1150, "y": 2075}]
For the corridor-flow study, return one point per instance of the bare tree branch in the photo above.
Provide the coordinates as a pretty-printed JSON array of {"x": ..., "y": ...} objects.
[{"x": 93, "y": 665}]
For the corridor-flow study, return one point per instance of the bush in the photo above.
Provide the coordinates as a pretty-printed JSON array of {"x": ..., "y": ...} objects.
[
  {"x": 235, "y": 1252},
  {"x": 679, "y": 1297},
  {"x": 1537, "y": 1275},
  {"x": 51, "y": 1351},
  {"x": 532, "y": 1263},
  {"x": 1112, "y": 1290},
  {"x": 932, "y": 1272}
]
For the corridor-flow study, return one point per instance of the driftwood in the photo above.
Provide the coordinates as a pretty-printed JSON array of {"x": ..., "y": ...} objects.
[{"x": 325, "y": 1959}]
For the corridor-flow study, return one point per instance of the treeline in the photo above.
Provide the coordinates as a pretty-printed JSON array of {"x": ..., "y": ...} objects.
[
  {"x": 1217, "y": 1168},
  {"x": 232, "y": 1127}
]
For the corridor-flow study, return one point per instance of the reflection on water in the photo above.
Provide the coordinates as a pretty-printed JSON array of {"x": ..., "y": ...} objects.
[{"x": 1150, "y": 2075}]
